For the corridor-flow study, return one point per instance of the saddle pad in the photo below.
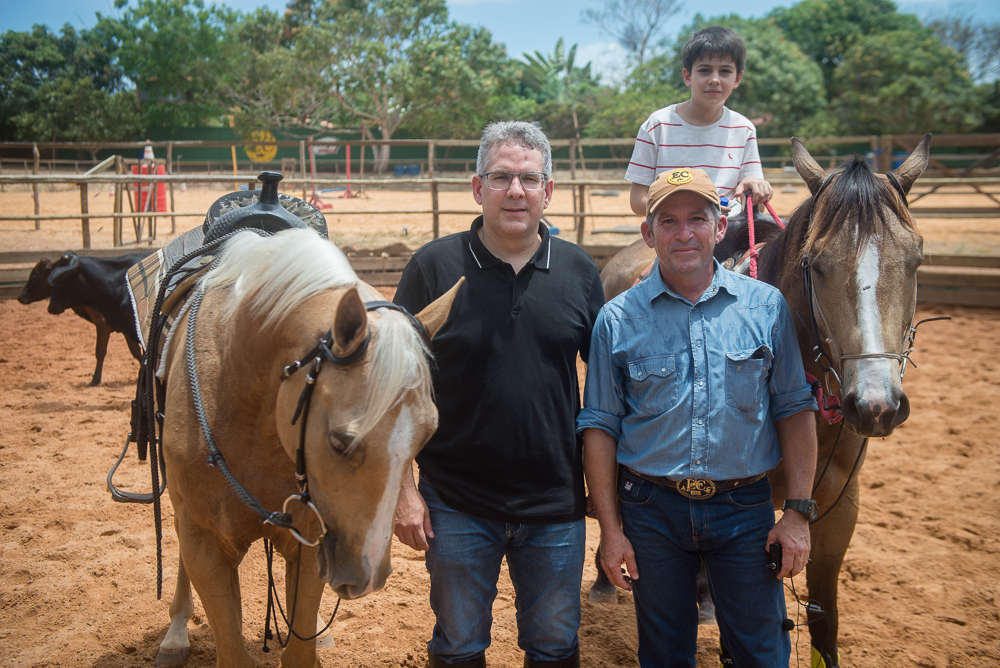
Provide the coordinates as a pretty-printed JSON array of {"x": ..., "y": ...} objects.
[{"x": 144, "y": 279}]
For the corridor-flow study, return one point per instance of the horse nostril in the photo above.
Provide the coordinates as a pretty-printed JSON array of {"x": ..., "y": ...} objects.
[{"x": 902, "y": 412}]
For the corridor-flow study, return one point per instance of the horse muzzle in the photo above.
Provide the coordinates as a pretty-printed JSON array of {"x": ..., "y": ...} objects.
[
  {"x": 350, "y": 576},
  {"x": 875, "y": 417}
]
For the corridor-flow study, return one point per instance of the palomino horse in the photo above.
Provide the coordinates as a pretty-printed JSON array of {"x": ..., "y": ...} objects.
[
  {"x": 847, "y": 265},
  {"x": 264, "y": 307}
]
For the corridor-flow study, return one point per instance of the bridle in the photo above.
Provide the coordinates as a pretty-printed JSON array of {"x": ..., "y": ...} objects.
[
  {"x": 323, "y": 351},
  {"x": 830, "y": 408}
]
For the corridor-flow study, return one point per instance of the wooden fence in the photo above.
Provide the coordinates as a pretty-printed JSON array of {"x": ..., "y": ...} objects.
[{"x": 963, "y": 280}]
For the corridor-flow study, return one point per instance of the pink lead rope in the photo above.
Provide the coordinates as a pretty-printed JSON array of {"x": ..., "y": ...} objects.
[{"x": 753, "y": 244}]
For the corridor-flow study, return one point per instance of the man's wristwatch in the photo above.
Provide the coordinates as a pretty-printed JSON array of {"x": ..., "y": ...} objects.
[{"x": 807, "y": 507}]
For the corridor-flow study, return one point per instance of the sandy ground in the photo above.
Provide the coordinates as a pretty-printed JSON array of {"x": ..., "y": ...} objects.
[
  {"x": 960, "y": 235},
  {"x": 77, "y": 572}
]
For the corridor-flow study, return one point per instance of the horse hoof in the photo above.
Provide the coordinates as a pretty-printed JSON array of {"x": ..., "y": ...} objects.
[
  {"x": 602, "y": 596},
  {"x": 172, "y": 658}
]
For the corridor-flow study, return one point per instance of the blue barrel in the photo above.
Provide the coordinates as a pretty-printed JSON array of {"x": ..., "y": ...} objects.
[
  {"x": 413, "y": 170},
  {"x": 399, "y": 170}
]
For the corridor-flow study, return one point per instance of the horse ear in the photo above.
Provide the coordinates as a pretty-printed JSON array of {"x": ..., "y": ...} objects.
[
  {"x": 350, "y": 323},
  {"x": 915, "y": 164},
  {"x": 807, "y": 167},
  {"x": 436, "y": 313}
]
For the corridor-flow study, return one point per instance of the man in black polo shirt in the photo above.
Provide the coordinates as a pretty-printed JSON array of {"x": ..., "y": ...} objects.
[{"x": 503, "y": 474}]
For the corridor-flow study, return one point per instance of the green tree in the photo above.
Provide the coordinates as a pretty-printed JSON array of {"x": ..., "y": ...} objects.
[
  {"x": 389, "y": 61},
  {"x": 564, "y": 91},
  {"x": 781, "y": 86},
  {"x": 178, "y": 53},
  {"x": 903, "y": 82},
  {"x": 64, "y": 87},
  {"x": 826, "y": 29},
  {"x": 619, "y": 114}
]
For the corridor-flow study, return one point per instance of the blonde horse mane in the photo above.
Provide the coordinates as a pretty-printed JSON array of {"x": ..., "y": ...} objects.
[{"x": 273, "y": 276}]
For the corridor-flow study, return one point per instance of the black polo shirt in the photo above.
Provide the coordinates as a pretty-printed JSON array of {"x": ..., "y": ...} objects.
[{"x": 505, "y": 378}]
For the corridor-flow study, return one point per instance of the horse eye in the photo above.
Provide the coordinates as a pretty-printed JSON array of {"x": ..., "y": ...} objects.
[{"x": 339, "y": 443}]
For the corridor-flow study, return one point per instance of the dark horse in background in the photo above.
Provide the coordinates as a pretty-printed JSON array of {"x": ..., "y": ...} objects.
[{"x": 847, "y": 266}]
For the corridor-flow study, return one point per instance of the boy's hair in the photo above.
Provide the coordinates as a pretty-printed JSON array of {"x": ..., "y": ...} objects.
[
  {"x": 518, "y": 133},
  {"x": 715, "y": 42}
]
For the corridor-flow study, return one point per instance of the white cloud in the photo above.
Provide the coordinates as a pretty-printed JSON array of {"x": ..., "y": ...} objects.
[{"x": 608, "y": 59}]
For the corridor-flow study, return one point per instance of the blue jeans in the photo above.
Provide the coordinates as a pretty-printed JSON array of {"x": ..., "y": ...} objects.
[
  {"x": 671, "y": 535},
  {"x": 546, "y": 567}
]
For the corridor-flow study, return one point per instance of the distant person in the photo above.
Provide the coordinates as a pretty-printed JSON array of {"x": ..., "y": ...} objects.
[
  {"x": 503, "y": 474},
  {"x": 702, "y": 132}
]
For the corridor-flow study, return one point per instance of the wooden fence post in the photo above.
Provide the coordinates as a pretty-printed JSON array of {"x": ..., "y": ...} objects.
[
  {"x": 302, "y": 161},
  {"x": 572, "y": 176},
  {"x": 434, "y": 188},
  {"x": 170, "y": 186},
  {"x": 583, "y": 207},
  {"x": 885, "y": 157},
  {"x": 85, "y": 209},
  {"x": 34, "y": 186},
  {"x": 116, "y": 224}
]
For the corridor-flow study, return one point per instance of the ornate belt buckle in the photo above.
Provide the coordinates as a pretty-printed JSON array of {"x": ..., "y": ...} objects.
[{"x": 698, "y": 489}]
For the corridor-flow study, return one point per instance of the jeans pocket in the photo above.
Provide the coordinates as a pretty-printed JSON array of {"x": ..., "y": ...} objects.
[
  {"x": 754, "y": 495},
  {"x": 746, "y": 377},
  {"x": 634, "y": 491},
  {"x": 652, "y": 385}
]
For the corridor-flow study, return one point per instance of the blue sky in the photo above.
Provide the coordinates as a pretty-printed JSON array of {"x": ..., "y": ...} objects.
[{"x": 523, "y": 25}]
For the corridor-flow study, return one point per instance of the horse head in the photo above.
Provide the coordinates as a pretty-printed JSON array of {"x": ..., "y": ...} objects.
[
  {"x": 367, "y": 420},
  {"x": 859, "y": 253}
]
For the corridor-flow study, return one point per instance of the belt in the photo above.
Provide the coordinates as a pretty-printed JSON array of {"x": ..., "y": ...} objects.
[{"x": 698, "y": 488}]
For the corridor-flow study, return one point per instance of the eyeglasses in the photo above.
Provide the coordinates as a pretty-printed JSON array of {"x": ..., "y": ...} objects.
[{"x": 502, "y": 180}]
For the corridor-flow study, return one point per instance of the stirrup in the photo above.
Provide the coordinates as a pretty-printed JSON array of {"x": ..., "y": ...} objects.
[{"x": 820, "y": 659}]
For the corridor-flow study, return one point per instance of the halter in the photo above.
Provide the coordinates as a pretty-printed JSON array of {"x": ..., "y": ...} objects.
[
  {"x": 322, "y": 351},
  {"x": 831, "y": 404}
]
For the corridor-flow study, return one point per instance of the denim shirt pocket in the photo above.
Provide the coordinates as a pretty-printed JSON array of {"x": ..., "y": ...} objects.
[
  {"x": 653, "y": 383},
  {"x": 746, "y": 377}
]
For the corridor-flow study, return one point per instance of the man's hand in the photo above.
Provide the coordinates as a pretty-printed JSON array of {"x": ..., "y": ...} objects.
[
  {"x": 615, "y": 551},
  {"x": 760, "y": 189},
  {"x": 792, "y": 531},
  {"x": 413, "y": 519}
]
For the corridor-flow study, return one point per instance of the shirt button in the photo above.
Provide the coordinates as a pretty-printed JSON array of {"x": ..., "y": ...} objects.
[
  {"x": 701, "y": 383},
  {"x": 699, "y": 421},
  {"x": 739, "y": 368},
  {"x": 698, "y": 344},
  {"x": 697, "y": 461},
  {"x": 663, "y": 370}
]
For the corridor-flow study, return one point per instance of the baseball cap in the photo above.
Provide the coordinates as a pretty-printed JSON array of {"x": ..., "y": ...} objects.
[{"x": 680, "y": 180}]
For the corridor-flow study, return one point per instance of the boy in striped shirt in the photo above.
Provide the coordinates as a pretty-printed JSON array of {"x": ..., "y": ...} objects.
[{"x": 702, "y": 132}]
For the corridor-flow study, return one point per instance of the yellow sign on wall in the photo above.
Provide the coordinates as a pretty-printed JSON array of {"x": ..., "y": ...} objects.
[{"x": 260, "y": 152}]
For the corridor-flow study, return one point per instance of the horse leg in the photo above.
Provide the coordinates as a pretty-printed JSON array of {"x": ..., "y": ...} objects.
[
  {"x": 706, "y": 606},
  {"x": 214, "y": 571},
  {"x": 831, "y": 537},
  {"x": 175, "y": 647},
  {"x": 302, "y": 606},
  {"x": 602, "y": 591},
  {"x": 134, "y": 347}
]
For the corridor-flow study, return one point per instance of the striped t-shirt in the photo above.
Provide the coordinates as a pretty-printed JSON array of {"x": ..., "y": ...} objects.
[{"x": 726, "y": 150}]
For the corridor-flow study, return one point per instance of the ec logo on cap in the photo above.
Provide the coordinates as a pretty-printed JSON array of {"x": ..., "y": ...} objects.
[{"x": 679, "y": 177}]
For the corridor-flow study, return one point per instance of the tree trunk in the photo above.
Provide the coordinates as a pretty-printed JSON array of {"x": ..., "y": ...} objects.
[{"x": 382, "y": 154}]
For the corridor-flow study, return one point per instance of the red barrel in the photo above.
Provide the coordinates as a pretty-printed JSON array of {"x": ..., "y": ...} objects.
[{"x": 142, "y": 190}]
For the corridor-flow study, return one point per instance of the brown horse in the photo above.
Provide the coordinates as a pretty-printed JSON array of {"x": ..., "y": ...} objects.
[
  {"x": 857, "y": 246},
  {"x": 264, "y": 306}
]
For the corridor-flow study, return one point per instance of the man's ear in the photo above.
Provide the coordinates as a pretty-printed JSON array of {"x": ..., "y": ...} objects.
[
  {"x": 477, "y": 189},
  {"x": 720, "y": 232},
  {"x": 647, "y": 233}
]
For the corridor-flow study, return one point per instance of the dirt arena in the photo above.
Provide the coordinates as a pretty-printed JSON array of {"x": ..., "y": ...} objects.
[{"x": 77, "y": 572}]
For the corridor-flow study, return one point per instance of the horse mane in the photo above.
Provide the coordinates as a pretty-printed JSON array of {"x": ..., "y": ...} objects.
[
  {"x": 854, "y": 193},
  {"x": 274, "y": 275}
]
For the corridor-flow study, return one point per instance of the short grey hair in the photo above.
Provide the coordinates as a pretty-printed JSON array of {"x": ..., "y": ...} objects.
[{"x": 518, "y": 133}]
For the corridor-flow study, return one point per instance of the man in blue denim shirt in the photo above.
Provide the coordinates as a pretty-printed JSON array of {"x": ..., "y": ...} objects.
[{"x": 695, "y": 389}]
